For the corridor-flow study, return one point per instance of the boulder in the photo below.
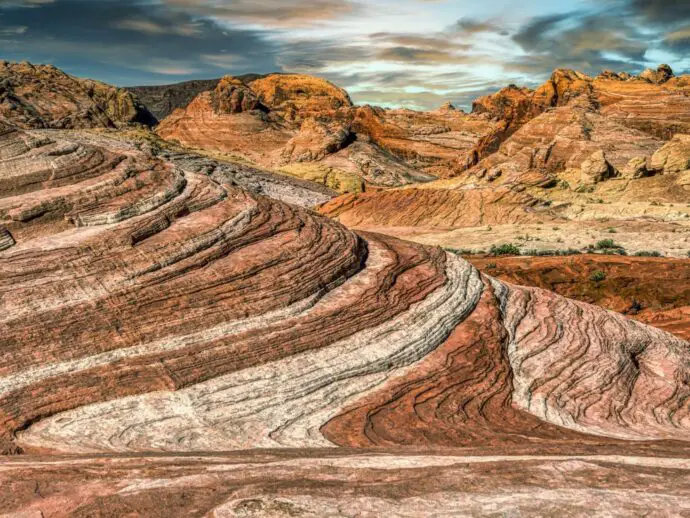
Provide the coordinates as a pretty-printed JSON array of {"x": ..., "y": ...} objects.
[
  {"x": 316, "y": 140},
  {"x": 232, "y": 96},
  {"x": 447, "y": 107},
  {"x": 596, "y": 169},
  {"x": 674, "y": 157},
  {"x": 659, "y": 76},
  {"x": 636, "y": 168}
]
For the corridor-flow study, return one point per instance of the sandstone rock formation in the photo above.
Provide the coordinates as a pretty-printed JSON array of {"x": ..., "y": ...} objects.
[
  {"x": 42, "y": 96},
  {"x": 674, "y": 157},
  {"x": 341, "y": 484},
  {"x": 583, "y": 151},
  {"x": 653, "y": 290},
  {"x": 292, "y": 118},
  {"x": 148, "y": 308},
  {"x": 597, "y": 168}
]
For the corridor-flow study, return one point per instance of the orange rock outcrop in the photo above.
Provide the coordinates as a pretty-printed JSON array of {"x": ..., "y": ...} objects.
[{"x": 42, "y": 96}]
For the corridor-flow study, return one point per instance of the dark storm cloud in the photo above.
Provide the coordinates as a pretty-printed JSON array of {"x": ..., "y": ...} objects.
[
  {"x": 129, "y": 41},
  {"x": 580, "y": 40},
  {"x": 662, "y": 11}
]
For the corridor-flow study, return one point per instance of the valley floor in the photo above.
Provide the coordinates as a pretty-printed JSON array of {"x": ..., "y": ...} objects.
[{"x": 346, "y": 483}]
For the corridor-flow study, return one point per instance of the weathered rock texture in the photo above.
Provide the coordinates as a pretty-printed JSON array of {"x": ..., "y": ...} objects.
[
  {"x": 146, "y": 308},
  {"x": 577, "y": 150},
  {"x": 165, "y": 99},
  {"x": 346, "y": 484},
  {"x": 42, "y": 96},
  {"x": 283, "y": 119},
  {"x": 649, "y": 289}
]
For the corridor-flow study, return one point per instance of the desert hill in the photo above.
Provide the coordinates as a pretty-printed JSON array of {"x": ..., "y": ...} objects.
[
  {"x": 164, "y": 99},
  {"x": 576, "y": 159},
  {"x": 42, "y": 96},
  {"x": 307, "y": 127}
]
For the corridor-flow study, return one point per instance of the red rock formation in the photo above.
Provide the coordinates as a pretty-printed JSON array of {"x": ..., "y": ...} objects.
[
  {"x": 338, "y": 483},
  {"x": 42, "y": 96},
  {"x": 306, "y": 119},
  {"x": 435, "y": 208},
  {"x": 147, "y": 308}
]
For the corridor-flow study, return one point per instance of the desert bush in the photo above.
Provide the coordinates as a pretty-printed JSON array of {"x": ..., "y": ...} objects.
[
  {"x": 648, "y": 253},
  {"x": 506, "y": 249},
  {"x": 598, "y": 276}
]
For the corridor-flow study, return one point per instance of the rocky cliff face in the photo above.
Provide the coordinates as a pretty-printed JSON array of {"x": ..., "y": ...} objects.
[
  {"x": 578, "y": 150},
  {"x": 42, "y": 96},
  {"x": 165, "y": 99}
]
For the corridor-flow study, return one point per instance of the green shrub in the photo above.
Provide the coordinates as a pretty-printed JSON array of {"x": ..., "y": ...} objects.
[
  {"x": 598, "y": 276},
  {"x": 507, "y": 249},
  {"x": 608, "y": 244},
  {"x": 648, "y": 253}
]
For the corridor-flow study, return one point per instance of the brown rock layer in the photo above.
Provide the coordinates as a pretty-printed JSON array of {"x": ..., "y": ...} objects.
[{"x": 652, "y": 290}]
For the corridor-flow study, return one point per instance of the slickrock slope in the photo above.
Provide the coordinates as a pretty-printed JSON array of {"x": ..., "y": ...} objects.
[
  {"x": 298, "y": 124},
  {"x": 42, "y": 96},
  {"x": 337, "y": 484},
  {"x": 146, "y": 308}
]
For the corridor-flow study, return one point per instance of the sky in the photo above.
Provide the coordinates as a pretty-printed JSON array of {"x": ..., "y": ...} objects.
[{"x": 412, "y": 53}]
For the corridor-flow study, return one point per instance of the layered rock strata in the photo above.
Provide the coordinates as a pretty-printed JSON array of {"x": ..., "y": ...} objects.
[{"x": 146, "y": 308}]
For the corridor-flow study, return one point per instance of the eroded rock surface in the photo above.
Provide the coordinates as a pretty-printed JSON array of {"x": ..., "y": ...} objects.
[
  {"x": 580, "y": 151},
  {"x": 282, "y": 119},
  {"x": 147, "y": 308},
  {"x": 42, "y": 96}
]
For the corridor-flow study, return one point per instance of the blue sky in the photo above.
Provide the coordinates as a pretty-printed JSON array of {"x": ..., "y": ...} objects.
[{"x": 414, "y": 53}]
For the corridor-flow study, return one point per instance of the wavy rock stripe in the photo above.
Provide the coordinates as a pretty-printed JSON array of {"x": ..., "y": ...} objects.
[
  {"x": 6, "y": 239},
  {"x": 281, "y": 404},
  {"x": 145, "y": 307},
  {"x": 599, "y": 373}
]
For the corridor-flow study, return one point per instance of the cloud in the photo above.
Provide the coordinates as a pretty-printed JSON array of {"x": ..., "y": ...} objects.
[
  {"x": 130, "y": 41},
  {"x": 579, "y": 40},
  {"x": 421, "y": 56},
  {"x": 442, "y": 42},
  {"x": 269, "y": 13},
  {"x": 23, "y": 3},
  {"x": 474, "y": 26},
  {"x": 153, "y": 27},
  {"x": 661, "y": 11}
]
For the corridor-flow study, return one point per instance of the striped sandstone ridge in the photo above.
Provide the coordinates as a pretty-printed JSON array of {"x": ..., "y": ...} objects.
[
  {"x": 283, "y": 120},
  {"x": 42, "y": 96},
  {"x": 146, "y": 308}
]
